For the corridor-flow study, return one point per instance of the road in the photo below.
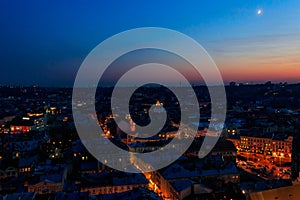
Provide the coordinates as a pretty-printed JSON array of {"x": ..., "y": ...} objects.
[{"x": 263, "y": 166}]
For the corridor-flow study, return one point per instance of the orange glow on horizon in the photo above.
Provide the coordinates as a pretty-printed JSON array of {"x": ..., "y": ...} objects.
[{"x": 263, "y": 72}]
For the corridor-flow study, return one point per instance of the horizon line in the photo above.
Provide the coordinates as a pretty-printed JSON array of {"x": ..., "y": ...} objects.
[{"x": 153, "y": 85}]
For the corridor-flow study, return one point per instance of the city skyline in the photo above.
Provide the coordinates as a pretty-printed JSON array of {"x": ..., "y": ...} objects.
[
  {"x": 151, "y": 100},
  {"x": 251, "y": 41}
]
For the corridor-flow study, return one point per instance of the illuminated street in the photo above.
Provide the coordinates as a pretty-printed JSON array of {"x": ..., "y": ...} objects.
[{"x": 263, "y": 167}]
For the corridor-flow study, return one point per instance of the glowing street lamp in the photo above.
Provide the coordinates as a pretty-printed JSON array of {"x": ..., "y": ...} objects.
[{"x": 281, "y": 155}]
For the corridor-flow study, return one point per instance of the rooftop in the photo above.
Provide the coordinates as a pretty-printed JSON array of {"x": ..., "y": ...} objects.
[
  {"x": 182, "y": 185},
  {"x": 290, "y": 192}
]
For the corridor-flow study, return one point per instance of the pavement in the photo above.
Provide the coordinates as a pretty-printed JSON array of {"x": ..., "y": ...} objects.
[{"x": 263, "y": 166}]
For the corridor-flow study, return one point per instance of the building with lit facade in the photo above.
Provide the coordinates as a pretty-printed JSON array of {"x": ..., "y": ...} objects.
[
  {"x": 26, "y": 124},
  {"x": 266, "y": 146},
  {"x": 178, "y": 181},
  {"x": 21, "y": 125},
  {"x": 47, "y": 184}
]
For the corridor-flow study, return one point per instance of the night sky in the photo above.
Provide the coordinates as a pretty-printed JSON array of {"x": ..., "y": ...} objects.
[{"x": 44, "y": 42}]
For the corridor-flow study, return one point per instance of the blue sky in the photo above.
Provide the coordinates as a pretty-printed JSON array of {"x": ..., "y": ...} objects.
[{"x": 44, "y": 42}]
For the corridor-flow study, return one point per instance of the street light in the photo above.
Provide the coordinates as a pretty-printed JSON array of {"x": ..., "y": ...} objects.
[{"x": 281, "y": 155}]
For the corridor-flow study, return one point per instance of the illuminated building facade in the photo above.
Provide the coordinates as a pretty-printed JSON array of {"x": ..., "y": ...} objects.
[
  {"x": 267, "y": 146},
  {"x": 26, "y": 124}
]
